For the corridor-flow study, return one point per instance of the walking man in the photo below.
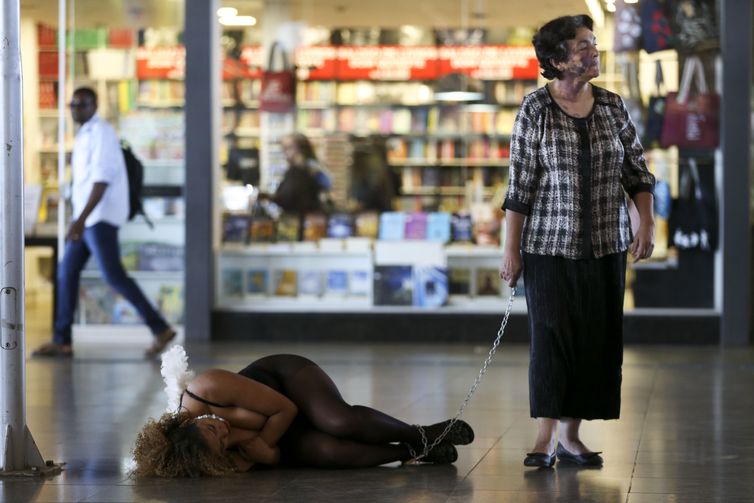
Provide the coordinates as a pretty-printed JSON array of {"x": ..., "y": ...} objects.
[{"x": 100, "y": 204}]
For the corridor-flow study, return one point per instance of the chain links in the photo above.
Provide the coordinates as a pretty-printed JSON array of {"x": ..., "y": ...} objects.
[{"x": 428, "y": 447}]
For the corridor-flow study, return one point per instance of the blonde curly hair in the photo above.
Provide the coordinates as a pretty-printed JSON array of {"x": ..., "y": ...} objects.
[{"x": 172, "y": 446}]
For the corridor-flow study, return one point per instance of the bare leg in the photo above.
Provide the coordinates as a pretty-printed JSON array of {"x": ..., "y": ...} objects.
[
  {"x": 569, "y": 436},
  {"x": 547, "y": 435}
]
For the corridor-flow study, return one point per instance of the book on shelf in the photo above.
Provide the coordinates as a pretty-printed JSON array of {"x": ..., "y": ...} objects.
[
  {"x": 285, "y": 282},
  {"x": 367, "y": 224},
  {"x": 256, "y": 282},
  {"x": 261, "y": 229},
  {"x": 487, "y": 282},
  {"x": 309, "y": 283},
  {"x": 486, "y": 224},
  {"x": 170, "y": 302},
  {"x": 288, "y": 228},
  {"x": 96, "y": 302},
  {"x": 336, "y": 283},
  {"x": 461, "y": 227},
  {"x": 315, "y": 226},
  {"x": 430, "y": 286},
  {"x": 438, "y": 226},
  {"x": 392, "y": 225},
  {"x": 124, "y": 313},
  {"x": 415, "y": 225},
  {"x": 232, "y": 282},
  {"x": 340, "y": 225},
  {"x": 360, "y": 283},
  {"x": 459, "y": 281},
  {"x": 161, "y": 257},
  {"x": 393, "y": 285}
]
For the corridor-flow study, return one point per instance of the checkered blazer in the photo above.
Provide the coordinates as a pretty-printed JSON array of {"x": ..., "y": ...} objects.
[{"x": 570, "y": 176}]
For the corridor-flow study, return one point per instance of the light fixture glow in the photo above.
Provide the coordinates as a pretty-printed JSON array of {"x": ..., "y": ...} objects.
[
  {"x": 595, "y": 10},
  {"x": 227, "y": 12},
  {"x": 610, "y": 7},
  {"x": 238, "y": 21},
  {"x": 631, "y": 1}
]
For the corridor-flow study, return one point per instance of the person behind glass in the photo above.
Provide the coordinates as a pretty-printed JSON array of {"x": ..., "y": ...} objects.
[
  {"x": 574, "y": 156},
  {"x": 281, "y": 410},
  {"x": 100, "y": 204},
  {"x": 306, "y": 183}
]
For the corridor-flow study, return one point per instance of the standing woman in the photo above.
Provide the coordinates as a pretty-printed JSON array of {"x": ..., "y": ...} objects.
[{"x": 574, "y": 157}]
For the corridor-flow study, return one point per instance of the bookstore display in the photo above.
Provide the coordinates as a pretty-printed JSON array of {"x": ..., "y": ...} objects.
[{"x": 140, "y": 92}]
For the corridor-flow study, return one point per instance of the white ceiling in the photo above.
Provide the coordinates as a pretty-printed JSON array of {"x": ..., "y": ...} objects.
[{"x": 329, "y": 13}]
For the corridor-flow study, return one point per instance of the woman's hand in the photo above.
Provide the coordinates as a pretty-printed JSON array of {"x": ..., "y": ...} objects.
[
  {"x": 256, "y": 450},
  {"x": 511, "y": 267},
  {"x": 644, "y": 241}
]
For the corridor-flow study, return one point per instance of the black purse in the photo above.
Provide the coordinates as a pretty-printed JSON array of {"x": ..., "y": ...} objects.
[
  {"x": 655, "y": 112},
  {"x": 693, "y": 218}
]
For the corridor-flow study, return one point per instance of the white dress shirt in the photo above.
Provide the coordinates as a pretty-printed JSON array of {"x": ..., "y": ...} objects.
[{"x": 97, "y": 157}]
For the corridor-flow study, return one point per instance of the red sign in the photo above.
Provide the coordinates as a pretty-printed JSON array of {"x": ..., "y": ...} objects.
[
  {"x": 387, "y": 63},
  {"x": 248, "y": 66},
  {"x": 316, "y": 63},
  {"x": 489, "y": 62},
  {"x": 161, "y": 62}
]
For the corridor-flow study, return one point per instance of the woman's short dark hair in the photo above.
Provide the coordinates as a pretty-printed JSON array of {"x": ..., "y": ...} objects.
[{"x": 550, "y": 41}]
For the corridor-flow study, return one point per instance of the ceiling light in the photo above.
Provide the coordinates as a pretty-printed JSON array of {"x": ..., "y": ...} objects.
[
  {"x": 631, "y": 1},
  {"x": 610, "y": 7},
  {"x": 238, "y": 21},
  {"x": 227, "y": 12},
  {"x": 458, "y": 87}
]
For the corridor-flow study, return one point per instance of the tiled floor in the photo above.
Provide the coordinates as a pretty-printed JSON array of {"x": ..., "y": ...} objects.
[{"x": 686, "y": 432}]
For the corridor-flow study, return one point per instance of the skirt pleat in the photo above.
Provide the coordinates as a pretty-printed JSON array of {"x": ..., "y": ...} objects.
[{"x": 575, "y": 312}]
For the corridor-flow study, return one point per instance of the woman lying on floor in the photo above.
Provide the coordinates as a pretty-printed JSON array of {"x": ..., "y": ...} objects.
[{"x": 280, "y": 410}]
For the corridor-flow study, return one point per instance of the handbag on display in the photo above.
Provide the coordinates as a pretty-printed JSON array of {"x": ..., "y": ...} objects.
[
  {"x": 655, "y": 26},
  {"x": 627, "y": 28},
  {"x": 692, "y": 121},
  {"x": 655, "y": 111},
  {"x": 693, "y": 217},
  {"x": 278, "y": 93},
  {"x": 694, "y": 25}
]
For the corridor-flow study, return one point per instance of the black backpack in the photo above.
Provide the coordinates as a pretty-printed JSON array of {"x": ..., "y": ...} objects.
[{"x": 135, "y": 171}]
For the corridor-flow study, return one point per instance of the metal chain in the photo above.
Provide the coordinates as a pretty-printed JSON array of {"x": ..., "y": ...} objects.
[{"x": 472, "y": 390}]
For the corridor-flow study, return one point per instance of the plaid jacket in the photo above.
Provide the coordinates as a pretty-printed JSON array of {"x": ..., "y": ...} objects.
[{"x": 570, "y": 176}]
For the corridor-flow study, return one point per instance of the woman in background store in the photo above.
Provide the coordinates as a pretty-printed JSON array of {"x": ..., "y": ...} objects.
[
  {"x": 279, "y": 410},
  {"x": 306, "y": 183},
  {"x": 574, "y": 157}
]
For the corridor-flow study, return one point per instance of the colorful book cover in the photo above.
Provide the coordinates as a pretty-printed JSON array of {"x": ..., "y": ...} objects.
[
  {"x": 256, "y": 282},
  {"x": 438, "y": 227},
  {"x": 392, "y": 225},
  {"x": 235, "y": 228},
  {"x": 310, "y": 283},
  {"x": 160, "y": 257},
  {"x": 340, "y": 225},
  {"x": 232, "y": 283},
  {"x": 415, "y": 225},
  {"x": 170, "y": 302},
  {"x": 430, "y": 286},
  {"x": 487, "y": 282},
  {"x": 367, "y": 224},
  {"x": 461, "y": 227},
  {"x": 96, "y": 302},
  {"x": 315, "y": 226},
  {"x": 262, "y": 229},
  {"x": 124, "y": 313},
  {"x": 393, "y": 285},
  {"x": 336, "y": 283},
  {"x": 288, "y": 228},
  {"x": 286, "y": 282},
  {"x": 360, "y": 284},
  {"x": 459, "y": 281}
]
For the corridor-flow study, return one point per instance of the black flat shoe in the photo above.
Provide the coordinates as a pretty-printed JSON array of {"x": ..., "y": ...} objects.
[
  {"x": 586, "y": 459},
  {"x": 539, "y": 459}
]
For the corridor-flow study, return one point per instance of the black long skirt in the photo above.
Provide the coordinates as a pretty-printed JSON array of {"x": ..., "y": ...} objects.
[{"x": 576, "y": 329}]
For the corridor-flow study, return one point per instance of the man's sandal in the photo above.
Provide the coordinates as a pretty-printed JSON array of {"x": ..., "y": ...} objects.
[{"x": 53, "y": 350}]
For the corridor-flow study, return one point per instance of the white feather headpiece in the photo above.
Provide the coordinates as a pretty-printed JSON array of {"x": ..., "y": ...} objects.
[{"x": 176, "y": 374}]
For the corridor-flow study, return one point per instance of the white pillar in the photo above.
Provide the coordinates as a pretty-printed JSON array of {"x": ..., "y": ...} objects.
[{"x": 18, "y": 452}]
